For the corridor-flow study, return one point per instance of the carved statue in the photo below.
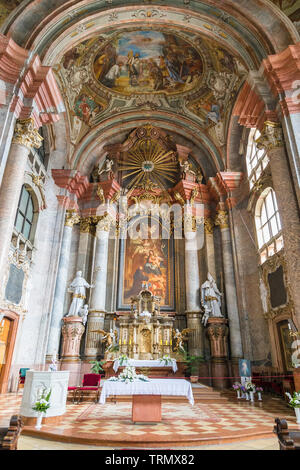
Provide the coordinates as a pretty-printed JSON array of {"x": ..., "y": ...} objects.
[
  {"x": 109, "y": 337},
  {"x": 180, "y": 338},
  {"x": 206, "y": 315},
  {"x": 77, "y": 287},
  {"x": 107, "y": 168},
  {"x": 186, "y": 169},
  {"x": 211, "y": 296},
  {"x": 84, "y": 311}
]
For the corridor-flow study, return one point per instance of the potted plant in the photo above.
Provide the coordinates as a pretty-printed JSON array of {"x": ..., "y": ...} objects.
[
  {"x": 97, "y": 366},
  {"x": 294, "y": 402},
  {"x": 193, "y": 366},
  {"x": 41, "y": 406}
]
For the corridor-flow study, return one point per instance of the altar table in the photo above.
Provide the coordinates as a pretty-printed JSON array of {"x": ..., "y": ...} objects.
[
  {"x": 146, "y": 396},
  {"x": 139, "y": 363}
]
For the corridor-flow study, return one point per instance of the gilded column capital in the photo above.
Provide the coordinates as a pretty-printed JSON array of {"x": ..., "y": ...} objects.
[
  {"x": 103, "y": 223},
  {"x": 209, "y": 226},
  {"x": 71, "y": 218},
  {"x": 271, "y": 136},
  {"x": 26, "y": 134},
  {"x": 87, "y": 225},
  {"x": 222, "y": 219}
]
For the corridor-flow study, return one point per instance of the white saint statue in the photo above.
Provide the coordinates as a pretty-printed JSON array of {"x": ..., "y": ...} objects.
[
  {"x": 211, "y": 296},
  {"x": 77, "y": 288},
  {"x": 84, "y": 311}
]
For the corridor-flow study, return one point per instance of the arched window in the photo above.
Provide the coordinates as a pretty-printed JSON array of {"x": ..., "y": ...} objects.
[
  {"x": 25, "y": 214},
  {"x": 256, "y": 158},
  {"x": 268, "y": 225}
]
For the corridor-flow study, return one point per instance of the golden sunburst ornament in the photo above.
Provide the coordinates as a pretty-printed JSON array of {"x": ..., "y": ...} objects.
[{"x": 148, "y": 160}]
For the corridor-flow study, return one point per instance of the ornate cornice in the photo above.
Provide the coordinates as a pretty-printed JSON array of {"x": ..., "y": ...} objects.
[{"x": 26, "y": 134}]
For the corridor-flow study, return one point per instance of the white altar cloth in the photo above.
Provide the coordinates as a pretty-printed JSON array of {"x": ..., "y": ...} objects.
[
  {"x": 144, "y": 363},
  {"x": 178, "y": 387}
]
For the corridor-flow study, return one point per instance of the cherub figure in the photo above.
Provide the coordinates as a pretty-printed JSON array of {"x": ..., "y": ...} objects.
[
  {"x": 109, "y": 337},
  {"x": 180, "y": 338}
]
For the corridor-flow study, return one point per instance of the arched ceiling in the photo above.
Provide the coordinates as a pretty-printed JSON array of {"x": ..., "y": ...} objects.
[{"x": 191, "y": 59}]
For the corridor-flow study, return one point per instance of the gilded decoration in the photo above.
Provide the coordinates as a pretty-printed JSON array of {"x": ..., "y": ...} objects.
[
  {"x": 147, "y": 161},
  {"x": 72, "y": 218},
  {"x": 222, "y": 219},
  {"x": 26, "y": 134},
  {"x": 271, "y": 136},
  {"x": 209, "y": 225}
]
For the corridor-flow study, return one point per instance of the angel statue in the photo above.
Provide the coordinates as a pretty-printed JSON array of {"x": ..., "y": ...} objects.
[
  {"x": 107, "y": 168},
  {"x": 186, "y": 169},
  {"x": 110, "y": 338},
  {"x": 211, "y": 297},
  {"x": 179, "y": 338}
]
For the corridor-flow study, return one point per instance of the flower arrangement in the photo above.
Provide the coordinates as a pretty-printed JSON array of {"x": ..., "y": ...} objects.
[
  {"x": 166, "y": 359},
  {"x": 236, "y": 386},
  {"x": 250, "y": 387},
  {"x": 259, "y": 389},
  {"x": 123, "y": 358},
  {"x": 294, "y": 400},
  {"x": 129, "y": 375},
  {"x": 43, "y": 402}
]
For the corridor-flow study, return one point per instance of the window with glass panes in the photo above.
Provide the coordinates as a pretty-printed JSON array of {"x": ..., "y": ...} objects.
[
  {"x": 256, "y": 158},
  {"x": 24, "y": 217},
  {"x": 268, "y": 226}
]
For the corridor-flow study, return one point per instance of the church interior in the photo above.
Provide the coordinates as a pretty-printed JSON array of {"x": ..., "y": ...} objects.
[{"x": 149, "y": 224}]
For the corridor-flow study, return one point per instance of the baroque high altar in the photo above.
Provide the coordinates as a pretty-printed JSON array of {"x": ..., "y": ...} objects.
[
  {"x": 146, "y": 239},
  {"x": 146, "y": 333}
]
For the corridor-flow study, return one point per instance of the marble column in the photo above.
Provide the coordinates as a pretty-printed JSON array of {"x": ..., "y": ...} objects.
[
  {"x": 192, "y": 290},
  {"x": 272, "y": 139},
  {"x": 61, "y": 285},
  {"x": 210, "y": 247},
  {"x": 230, "y": 287},
  {"x": 98, "y": 297},
  {"x": 24, "y": 139},
  {"x": 86, "y": 239}
]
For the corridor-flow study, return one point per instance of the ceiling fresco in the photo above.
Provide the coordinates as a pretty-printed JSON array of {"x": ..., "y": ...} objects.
[
  {"x": 148, "y": 61},
  {"x": 154, "y": 69}
]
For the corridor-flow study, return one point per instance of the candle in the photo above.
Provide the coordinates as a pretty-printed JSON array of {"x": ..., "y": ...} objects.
[
  {"x": 161, "y": 342},
  {"x": 124, "y": 342},
  {"x": 120, "y": 342},
  {"x": 130, "y": 341},
  {"x": 166, "y": 342}
]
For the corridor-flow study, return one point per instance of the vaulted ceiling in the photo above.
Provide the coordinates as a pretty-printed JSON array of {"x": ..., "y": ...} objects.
[{"x": 179, "y": 64}]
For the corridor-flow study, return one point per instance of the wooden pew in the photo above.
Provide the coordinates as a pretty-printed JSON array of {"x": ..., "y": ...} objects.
[
  {"x": 9, "y": 435},
  {"x": 288, "y": 439}
]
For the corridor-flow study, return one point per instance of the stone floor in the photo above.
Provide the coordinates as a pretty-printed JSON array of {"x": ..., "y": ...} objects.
[
  {"x": 234, "y": 424},
  {"x": 32, "y": 443}
]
